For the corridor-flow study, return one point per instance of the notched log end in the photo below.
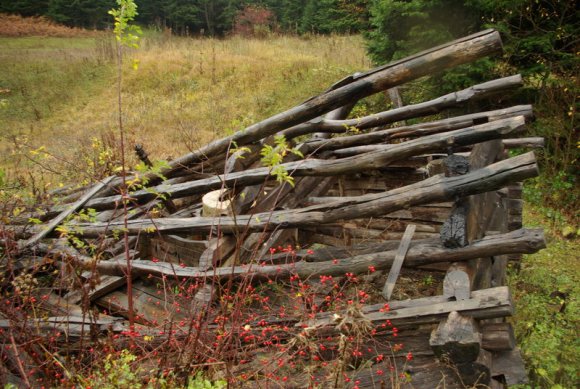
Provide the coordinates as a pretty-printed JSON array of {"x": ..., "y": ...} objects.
[{"x": 537, "y": 240}]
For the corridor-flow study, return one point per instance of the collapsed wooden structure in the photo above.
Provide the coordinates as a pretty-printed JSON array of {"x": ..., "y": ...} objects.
[{"x": 436, "y": 200}]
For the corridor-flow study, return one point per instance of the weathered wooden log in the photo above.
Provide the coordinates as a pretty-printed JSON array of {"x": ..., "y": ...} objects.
[
  {"x": 421, "y": 253},
  {"x": 384, "y": 136},
  {"x": 532, "y": 143},
  {"x": 498, "y": 337},
  {"x": 456, "y": 339},
  {"x": 526, "y": 143},
  {"x": 351, "y": 231},
  {"x": 395, "y": 97},
  {"x": 455, "y": 99},
  {"x": 457, "y": 282},
  {"x": 434, "y": 214},
  {"x": 317, "y": 167},
  {"x": 338, "y": 114},
  {"x": 431, "y": 190},
  {"x": 46, "y": 230}
]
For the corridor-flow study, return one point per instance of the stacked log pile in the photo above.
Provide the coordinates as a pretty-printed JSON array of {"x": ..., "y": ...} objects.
[{"x": 373, "y": 198}]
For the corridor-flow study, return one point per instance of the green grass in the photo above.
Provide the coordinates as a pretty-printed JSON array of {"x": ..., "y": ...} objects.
[
  {"x": 546, "y": 291},
  {"x": 185, "y": 92}
]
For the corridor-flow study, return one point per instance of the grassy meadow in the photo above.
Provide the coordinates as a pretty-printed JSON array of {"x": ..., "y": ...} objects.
[
  {"x": 58, "y": 125},
  {"x": 59, "y": 94}
]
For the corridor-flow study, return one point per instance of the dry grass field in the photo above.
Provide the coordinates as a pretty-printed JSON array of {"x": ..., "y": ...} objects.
[{"x": 59, "y": 94}]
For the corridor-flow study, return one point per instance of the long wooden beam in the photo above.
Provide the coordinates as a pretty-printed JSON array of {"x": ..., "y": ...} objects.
[
  {"x": 431, "y": 107},
  {"x": 434, "y": 189},
  {"x": 417, "y": 130},
  {"x": 420, "y": 253},
  {"x": 319, "y": 167}
]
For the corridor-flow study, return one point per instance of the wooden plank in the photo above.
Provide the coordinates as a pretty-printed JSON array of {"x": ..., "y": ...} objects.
[
  {"x": 523, "y": 241},
  {"x": 105, "y": 285},
  {"x": 46, "y": 230},
  {"x": 169, "y": 249},
  {"x": 218, "y": 250},
  {"x": 398, "y": 262},
  {"x": 320, "y": 167},
  {"x": 481, "y": 209},
  {"x": 498, "y": 337},
  {"x": 510, "y": 365},
  {"x": 400, "y": 113},
  {"x": 149, "y": 307},
  {"x": 431, "y": 190},
  {"x": 488, "y": 303}
]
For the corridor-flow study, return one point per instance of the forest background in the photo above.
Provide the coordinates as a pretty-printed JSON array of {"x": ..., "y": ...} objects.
[{"x": 541, "y": 41}]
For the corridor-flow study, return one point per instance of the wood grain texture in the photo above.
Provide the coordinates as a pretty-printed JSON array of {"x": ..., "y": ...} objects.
[{"x": 434, "y": 189}]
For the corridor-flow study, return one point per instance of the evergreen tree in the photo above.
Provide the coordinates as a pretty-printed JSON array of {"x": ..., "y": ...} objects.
[
  {"x": 291, "y": 14},
  {"x": 80, "y": 13},
  {"x": 309, "y": 22},
  {"x": 24, "y": 7},
  {"x": 181, "y": 15}
]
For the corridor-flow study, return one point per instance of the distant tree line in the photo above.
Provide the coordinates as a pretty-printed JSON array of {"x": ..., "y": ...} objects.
[{"x": 207, "y": 17}]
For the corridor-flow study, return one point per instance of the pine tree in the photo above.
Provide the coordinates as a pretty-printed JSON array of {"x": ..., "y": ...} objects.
[
  {"x": 24, "y": 7},
  {"x": 80, "y": 13}
]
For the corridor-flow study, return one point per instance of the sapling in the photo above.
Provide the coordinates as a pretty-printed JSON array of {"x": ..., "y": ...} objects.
[{"x": 126, "y": 35}]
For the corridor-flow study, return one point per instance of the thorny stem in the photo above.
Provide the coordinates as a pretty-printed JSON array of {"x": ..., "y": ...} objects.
[{"x": 19, "y": 361}]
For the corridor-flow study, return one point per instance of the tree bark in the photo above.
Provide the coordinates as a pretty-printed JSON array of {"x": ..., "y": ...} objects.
[
  {"x": 318, "y": 167},
  {"x": 417, "y": 130},
  {"x": 455, "y": 99},
  {"x": 421, "y": 253}
]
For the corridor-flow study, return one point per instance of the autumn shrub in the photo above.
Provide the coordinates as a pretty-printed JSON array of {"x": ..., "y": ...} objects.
[{"x": 18, "y": 26}]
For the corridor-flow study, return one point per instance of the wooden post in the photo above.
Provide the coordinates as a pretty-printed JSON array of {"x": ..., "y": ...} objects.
[
  {"x": 456, "y": 339},
  {"x": 456, "y": 283},
  {"x": 498, "y": 337}
]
